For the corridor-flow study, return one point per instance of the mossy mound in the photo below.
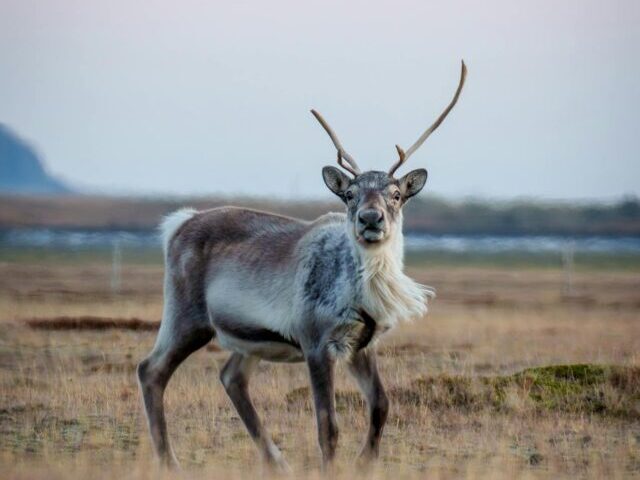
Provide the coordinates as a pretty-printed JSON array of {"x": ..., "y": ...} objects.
[
  {"x": 566, "y": 387},
  {"x": 577, "y": 389}
]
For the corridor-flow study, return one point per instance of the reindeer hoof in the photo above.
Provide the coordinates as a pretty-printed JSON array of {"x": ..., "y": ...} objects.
[
  {"x": 279, "y": 466},
  {"x": 170, "y": 463}
]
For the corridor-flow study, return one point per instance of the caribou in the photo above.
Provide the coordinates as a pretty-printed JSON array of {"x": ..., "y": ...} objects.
[{"x": 279, "y": 289}]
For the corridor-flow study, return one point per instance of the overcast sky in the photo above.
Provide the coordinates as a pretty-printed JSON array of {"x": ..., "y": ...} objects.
[{"x": 214, "y": 96}]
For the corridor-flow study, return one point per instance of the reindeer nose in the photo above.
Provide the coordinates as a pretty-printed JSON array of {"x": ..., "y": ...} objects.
[{"x": 371, "y": 217}]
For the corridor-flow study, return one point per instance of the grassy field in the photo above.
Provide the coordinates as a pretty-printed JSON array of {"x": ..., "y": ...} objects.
[{"x": 511, "y": 374}]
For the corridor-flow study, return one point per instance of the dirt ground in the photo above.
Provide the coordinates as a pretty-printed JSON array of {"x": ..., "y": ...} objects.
[{"x": 70, "y": 408}]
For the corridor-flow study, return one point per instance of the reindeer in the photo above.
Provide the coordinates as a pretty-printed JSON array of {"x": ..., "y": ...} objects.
[{"x": 280, "y": 289}]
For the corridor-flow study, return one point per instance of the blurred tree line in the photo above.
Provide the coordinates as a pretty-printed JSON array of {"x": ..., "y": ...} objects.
[
  {"x": 424, "y": 214},
  {"x": 523, "y": 217}
]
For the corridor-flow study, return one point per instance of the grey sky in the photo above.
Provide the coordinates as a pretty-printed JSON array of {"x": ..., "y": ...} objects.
[{"x": 211, "y": 97}]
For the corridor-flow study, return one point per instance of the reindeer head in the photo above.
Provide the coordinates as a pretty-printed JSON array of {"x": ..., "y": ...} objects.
[{"x": 375, "y": 199}]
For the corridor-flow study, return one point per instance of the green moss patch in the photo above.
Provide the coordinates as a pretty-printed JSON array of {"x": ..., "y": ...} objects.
[{"x": 577, "y": 389}]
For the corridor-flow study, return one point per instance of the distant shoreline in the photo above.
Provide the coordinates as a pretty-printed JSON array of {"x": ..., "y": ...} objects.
[{"x": 46, "y": 237}]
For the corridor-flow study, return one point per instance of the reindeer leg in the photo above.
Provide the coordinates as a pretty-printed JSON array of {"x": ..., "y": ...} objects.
[
  {"x": 363, "y": 367},
  {"x": 321, "y": 372},
  {"x": 174, "y": 345},
  {"x": 235, "y": 377}
]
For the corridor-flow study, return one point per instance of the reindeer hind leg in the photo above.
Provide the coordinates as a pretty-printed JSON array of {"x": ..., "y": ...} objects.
[{"x": 180, "y": 335}]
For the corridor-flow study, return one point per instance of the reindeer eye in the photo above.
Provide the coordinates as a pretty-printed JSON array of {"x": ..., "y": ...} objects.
[
  {"x": 397, "y": 196},
  {"x": 349, "y": 195}
]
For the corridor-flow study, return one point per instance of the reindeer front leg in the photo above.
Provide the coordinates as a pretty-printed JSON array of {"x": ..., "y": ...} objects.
[
  {"x": 363, "y": 366},
  {"x": 321, "y": 372}
]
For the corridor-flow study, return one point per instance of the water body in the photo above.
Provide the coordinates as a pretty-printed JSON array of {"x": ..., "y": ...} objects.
[{"x": 490, "y": 244}]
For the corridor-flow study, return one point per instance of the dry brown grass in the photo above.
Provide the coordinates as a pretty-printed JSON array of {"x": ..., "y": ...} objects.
[{"x": 69, "y": 405}]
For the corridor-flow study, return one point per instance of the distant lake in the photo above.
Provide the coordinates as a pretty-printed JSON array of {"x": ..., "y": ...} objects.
[{"x": 490, "y": 244}]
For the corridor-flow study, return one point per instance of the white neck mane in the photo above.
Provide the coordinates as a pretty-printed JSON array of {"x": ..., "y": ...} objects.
[{"x": 388, "y": 294}]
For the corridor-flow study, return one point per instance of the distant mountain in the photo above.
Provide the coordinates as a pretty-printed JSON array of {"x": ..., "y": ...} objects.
[{"x": 21, "y": 169}]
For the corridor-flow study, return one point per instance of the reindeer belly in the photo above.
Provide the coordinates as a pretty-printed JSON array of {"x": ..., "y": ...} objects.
[
  {"x": 261, "y": 343},
  {"x": 253, "y": 317}
]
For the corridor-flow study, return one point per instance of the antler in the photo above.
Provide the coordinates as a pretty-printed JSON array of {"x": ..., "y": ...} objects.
[
  {"x": 405, "y": 155},
  {"x": 342, "y": 154}
]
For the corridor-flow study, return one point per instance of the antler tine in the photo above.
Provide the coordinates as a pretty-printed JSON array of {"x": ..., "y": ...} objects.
[
  {"x": 343, "y": 156},
  {"x": 404, "y": 156}
]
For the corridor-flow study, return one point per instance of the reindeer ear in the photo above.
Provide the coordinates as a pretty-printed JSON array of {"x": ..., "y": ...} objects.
[
  {"x": 413, "y": 182},
  {"x": 335, "y": 180}
]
